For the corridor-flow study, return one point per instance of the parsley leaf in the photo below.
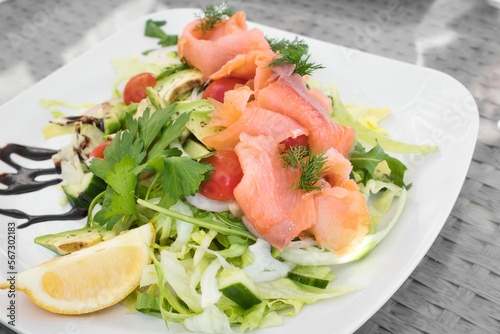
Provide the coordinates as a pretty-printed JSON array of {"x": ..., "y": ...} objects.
[
  {"x": 153, "y": 29},
  {"x": 144, "y": 146},
  {"x": 150, "y": 125},
  {"x": 122, "y": 145},
  {"x": 123, "y": 181},
  {"x": 367, "y": 162},
  {"x": 183, "y": 175}
]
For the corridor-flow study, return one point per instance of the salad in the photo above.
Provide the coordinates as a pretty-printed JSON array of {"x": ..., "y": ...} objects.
[{"x": 256, "y": 178}]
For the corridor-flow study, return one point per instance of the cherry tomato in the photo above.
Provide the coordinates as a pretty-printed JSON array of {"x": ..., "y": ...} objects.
[
  {"x": 218, "y": 87},
  {"x": 301, "y": 140},
  {"x": 225, "y": 178},
  {"x": 98, "y": 151},
  {"x": 135, "y": 89}
]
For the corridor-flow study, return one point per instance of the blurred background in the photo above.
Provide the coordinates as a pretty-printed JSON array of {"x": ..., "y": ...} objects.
[{"x": 455, "y": 288}]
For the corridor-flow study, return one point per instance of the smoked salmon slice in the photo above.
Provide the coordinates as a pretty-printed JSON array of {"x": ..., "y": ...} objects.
[
  {"x": 230, "y": 111},
  {"x": 256, "y": 121},
  {"x": 308, "y": 107},
  {"x": 239, "y": 116},
  {"x": 338, "y": 168},
  {"x": 228, "y": 41},
  {"x": 278, "y": 212},
  {"x": 343, "y": 218}
]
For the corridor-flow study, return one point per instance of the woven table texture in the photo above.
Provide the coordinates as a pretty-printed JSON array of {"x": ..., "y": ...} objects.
[{"x": 456, "y": 287}]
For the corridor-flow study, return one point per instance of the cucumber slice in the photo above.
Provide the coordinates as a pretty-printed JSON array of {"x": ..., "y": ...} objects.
[
  {"x": 81, "y": 195},
  {"x": 236, "y": 285},
  {"x": 308, "y": 280}
]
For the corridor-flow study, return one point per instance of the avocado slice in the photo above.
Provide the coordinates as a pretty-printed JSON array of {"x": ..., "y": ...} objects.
[
  {"x": 155, "y": 99},
  {"x": 199, "y": 120},
  {"x": 71, "y": 241},
  {"x": 178, "y": 83},
  {"x": 195, "y": 148}
]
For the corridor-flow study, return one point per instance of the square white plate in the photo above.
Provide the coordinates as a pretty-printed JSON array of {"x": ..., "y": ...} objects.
[{"x": 427, "y": 107}]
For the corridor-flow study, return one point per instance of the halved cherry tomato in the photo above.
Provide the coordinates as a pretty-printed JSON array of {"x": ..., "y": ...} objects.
[
  {"x": 218, "y": 87},
  {"x": 135, "y": 89},
  {"x": 98, "y": 151},
  {"x": 301, "y": 140},
  {"x": 225, "y": 178}
]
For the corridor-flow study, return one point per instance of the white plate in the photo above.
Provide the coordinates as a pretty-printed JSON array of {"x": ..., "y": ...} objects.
[{"x": 427, "y": 107}]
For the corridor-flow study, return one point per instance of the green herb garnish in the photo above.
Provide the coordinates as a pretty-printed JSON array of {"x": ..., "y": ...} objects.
[
  {"x": 213, "y": 15},
  {"x": 365, "y": 164},
  {"x": 293, "y": 52},
  {"x": 153, "y": 29},
  {"x": 144, "y": 146},
  {"x": 311, "y": 166}
]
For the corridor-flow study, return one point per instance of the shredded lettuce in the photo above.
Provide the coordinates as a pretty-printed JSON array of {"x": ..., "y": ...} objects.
[
  {"x": 53, "y": 104},
  {"x": 367, "y": 136},
  {"x": 285, "y": 289},
  {"x": 211, "y": 320},
  {"x": 369, "y": 116}
]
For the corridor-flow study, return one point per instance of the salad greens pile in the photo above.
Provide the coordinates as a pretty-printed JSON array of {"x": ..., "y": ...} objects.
[{"x": 209, "y": 272}]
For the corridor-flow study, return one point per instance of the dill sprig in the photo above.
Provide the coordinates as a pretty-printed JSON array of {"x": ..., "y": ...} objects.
[
  {"x": 213, "y": 15},
  {"x": 311, "y": 166},
  {"x": 293, "y": 52}
]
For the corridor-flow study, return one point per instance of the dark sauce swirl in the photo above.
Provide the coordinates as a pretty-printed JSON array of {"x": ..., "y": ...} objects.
[{"x": 24, "y": 181}]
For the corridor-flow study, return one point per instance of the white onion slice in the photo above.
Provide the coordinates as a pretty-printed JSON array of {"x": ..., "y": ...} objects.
[
  {"x": 208, "y": 204},
  {"x": 160, "y": 57},
  {"x": 250, "y": 227},
  {"x": 98, "y": 106},
  {"x": 265, "y": 268},
  {"x": 93, "y": 110}
]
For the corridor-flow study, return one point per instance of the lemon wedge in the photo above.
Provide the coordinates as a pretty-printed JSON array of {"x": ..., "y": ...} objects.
[{"x": 90, "y": 279}]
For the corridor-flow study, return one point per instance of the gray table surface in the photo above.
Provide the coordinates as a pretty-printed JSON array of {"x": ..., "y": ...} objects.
[{"x": 456, "y": 287}]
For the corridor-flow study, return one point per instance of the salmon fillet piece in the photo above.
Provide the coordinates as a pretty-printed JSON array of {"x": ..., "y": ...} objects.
[
  {"x": 239, "y": 116},
  {"x": 278, "y": 213},
  {"x": 235, "y": 102},
  {"x": 229, "y": 40},
  {"x": 343, "y": 218},
  {"x": 324, "y": 133}
]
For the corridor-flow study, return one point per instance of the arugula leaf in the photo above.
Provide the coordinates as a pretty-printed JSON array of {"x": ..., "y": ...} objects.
[
  {"x": 171, "y": 70},
  {"x": 210, "y": 221},
  {"x": 183, "y": 175},
  {"x": 367, "y": 162},
  {"x": 153, "y": 29}
]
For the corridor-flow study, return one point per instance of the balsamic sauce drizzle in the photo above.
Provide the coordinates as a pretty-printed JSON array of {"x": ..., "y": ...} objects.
[
  {"x": 75, "y": 213},
  {"x": 24, "y": 181}
]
